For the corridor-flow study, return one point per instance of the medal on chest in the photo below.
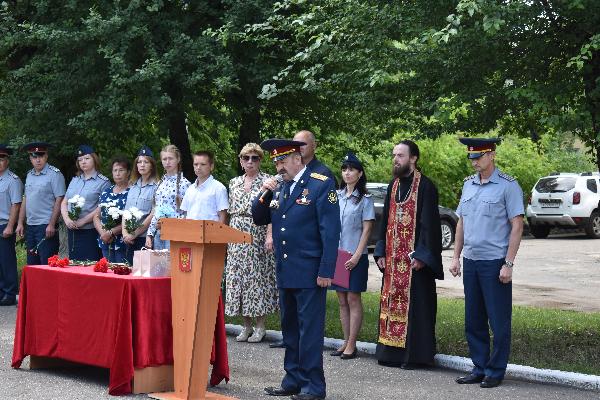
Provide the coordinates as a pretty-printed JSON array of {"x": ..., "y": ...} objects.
[{"x": 303, "y": 201}]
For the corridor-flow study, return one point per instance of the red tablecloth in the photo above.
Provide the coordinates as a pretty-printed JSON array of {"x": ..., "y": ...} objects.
[{"x": 106, "y": 320}]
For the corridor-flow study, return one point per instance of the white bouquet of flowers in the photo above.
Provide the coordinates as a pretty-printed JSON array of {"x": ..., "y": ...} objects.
[
  {"x": 75, "y": 205},
  {"x": 133, "y": 219},
  {"x": 111, "y": 214}
]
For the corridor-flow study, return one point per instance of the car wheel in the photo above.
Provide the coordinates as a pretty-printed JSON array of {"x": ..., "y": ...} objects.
[
  {"x": 539, "y": 231},
  {"x": 592, "y": 228},
  {"x": 447, "y": 235}
]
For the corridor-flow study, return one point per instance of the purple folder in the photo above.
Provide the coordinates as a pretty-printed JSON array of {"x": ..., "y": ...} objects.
[{"x": 342, "y": 275}]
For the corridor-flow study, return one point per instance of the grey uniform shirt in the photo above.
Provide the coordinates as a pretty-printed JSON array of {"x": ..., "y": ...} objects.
[
  {"x": 90, "y": 189},
  {"x": 11, "y": 192},
  {"x": 486, "y": 210},
  {"x": 41, "y": 191},
  {"x": 352, "y": 215},
  {"x": 141, "y": 197}
]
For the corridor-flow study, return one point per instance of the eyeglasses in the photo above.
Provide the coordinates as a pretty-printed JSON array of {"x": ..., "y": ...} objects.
[
  {"x": 37, "y": 154},
  {"x": 251, "y": 158}
]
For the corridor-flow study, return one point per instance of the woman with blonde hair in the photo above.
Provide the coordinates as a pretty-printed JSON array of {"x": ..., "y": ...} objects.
[
  {"x": 79, "y": 205},
  {"x": 168, "y": 196},
  {"x": 250, "y": 270},
  {"x": 144, "y": 179}
]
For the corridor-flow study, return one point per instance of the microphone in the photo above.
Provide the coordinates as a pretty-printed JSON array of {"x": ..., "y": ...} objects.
[{"x": 267, "y": 195}]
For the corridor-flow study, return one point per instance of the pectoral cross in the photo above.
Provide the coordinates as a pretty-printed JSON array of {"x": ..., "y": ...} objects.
[{"x": 399, "y": 213}]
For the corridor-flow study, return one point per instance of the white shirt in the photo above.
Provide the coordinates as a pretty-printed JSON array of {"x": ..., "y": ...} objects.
[
  {"x": 296, "y": 179},
  {"x": 203, "y": 202}
]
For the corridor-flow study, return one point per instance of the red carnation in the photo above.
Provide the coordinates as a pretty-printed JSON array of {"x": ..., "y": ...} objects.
[
  {"x": 101, "y": 265},
  {"x": 54, "y": 261},
  {"x": 63, "y": 263}
]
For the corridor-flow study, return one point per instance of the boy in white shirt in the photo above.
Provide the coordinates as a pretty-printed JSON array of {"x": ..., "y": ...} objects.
[{"x": 206, "y": 198}]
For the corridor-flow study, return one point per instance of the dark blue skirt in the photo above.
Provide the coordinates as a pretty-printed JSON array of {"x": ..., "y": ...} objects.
[
  {"x": 83, "y": 244},
  {"x": 358, "y": 277}
]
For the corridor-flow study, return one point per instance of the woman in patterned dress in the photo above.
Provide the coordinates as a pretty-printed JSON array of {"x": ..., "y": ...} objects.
[
  {"x": 250, "y": 270},
  {"x": 110, "y": 238},
  {"x": 168, "y": 196}
]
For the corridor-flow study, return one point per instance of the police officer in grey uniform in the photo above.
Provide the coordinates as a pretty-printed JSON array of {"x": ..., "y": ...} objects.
[
  {"x": 11, "y": 195},
  {"x": 89, "y": 184},
  {"x": 38, "y": 216},
  {"x": 488, "y": 233},
  {"x": 144, "y": 182}
]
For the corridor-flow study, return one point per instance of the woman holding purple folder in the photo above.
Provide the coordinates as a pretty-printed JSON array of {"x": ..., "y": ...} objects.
[{"x": 357, "y": 216}]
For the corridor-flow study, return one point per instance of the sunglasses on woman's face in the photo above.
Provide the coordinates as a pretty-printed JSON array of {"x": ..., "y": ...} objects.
[{"x": 251, "y": 158}]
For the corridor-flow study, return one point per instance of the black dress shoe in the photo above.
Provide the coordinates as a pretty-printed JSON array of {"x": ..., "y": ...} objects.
[
  {"x": 336, "y": 353},
  {"x": 350, "y": 356},
  {"x": 8, "y": 300},
  {"x": 306, "y": 396},
  {"x": 277, "y": 345},
  {"x": 470, "y": 379},
  {"x": 279, "y": 391},
  {"x": 490, "y": 382}
]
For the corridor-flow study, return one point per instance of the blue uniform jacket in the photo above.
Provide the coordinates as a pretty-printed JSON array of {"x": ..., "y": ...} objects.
[{"x": 306, "y": 230}]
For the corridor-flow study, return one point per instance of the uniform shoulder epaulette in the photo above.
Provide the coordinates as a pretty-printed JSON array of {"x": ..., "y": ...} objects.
[
  {"x": 318, "y": 176},
  {"x": 468, "y": 178},
  {"x": 53, "y": 168},
  {"x": 104, "y": 178},
  {"x": 31, "y": 171},
  {"x": 507, "y": 177},
  {"x": 13, "y": 175}
]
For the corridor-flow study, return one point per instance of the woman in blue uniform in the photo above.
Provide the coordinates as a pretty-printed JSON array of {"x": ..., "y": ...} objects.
[
  {"x": 144, "y": 180},
  {"x": 108, "y": 226},
  {"x": 78, "y": 216},
  {"x": 356, "y": 216}
]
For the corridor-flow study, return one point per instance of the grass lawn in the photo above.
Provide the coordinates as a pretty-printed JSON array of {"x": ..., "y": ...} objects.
[{"x": 542, "y": 338}]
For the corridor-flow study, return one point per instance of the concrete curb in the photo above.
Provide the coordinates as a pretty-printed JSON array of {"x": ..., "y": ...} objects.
[{"x": 571, "y": 379}]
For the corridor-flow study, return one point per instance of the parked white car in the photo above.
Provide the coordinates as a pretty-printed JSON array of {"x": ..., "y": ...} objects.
[{"x": 565, "y": 200}]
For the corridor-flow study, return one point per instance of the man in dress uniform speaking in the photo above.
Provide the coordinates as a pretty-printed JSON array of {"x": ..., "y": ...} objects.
[
  {"x": 305, "y": 216},
  {"x": 488, "y": 234}
]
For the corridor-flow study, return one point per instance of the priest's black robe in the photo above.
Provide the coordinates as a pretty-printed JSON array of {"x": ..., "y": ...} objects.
[{"x": 420, "y": 338}]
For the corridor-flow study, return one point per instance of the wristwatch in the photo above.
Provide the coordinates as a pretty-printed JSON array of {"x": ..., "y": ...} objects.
[{"x": 509, "y": 264}]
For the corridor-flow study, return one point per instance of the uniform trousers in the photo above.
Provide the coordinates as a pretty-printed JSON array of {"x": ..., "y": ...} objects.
[
  {"x": 38, "y": 252},
  {"x": 83, "y": 244},
  {"x": 303, "y": 328},
  {"x": 487, "y": 299},
  {"x": 8, "y": 265}
]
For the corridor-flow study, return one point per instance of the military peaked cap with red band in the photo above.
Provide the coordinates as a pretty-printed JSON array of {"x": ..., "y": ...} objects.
[
  {"x": 36, "y": 147},
  {"x": 476, "y": 147},
  {"x": 281, "y": 148},
  {"x": 5, "y": 150}
]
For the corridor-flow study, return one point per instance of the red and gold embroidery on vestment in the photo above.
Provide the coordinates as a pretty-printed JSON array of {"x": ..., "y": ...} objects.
[{"x": 400, "y": 242}]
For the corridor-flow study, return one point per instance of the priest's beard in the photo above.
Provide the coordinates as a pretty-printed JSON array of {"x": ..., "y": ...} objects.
[{"x": 402, "y": 170}]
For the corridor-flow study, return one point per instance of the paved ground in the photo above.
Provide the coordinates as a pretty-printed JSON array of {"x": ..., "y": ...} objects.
[
  {"x": 562, "y": 271},
  {"x": 256, "y": 366}
]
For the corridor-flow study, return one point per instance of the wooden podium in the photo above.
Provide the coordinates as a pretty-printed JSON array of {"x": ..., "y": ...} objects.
[{"x": 197, "y": 259}]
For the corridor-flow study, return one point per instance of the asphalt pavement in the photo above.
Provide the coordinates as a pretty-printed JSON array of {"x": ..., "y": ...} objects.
[{"x": 254, "y": 366}]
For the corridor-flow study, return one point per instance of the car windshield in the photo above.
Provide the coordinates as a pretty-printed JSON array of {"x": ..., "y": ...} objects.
[{"x": 555, "y": 184}]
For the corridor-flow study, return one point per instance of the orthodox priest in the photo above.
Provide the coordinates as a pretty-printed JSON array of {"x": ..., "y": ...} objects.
[{"x": 409, "y": 253}]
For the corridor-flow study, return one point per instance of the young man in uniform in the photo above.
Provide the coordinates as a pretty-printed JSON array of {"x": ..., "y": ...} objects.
[
  {"x": 11, "y": 195},
  {"x": 38, "y": 216},
  {"x": 488, "y": 234}
]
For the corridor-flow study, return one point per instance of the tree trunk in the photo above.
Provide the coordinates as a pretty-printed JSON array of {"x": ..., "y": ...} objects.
[
  {"x": 249, "y": 129},
  {"x": 591, "y": 74},
  {"x": 178, "y": 135}
]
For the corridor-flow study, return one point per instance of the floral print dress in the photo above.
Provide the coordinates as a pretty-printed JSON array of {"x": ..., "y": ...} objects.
[{"x": 250, "y": 283}]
